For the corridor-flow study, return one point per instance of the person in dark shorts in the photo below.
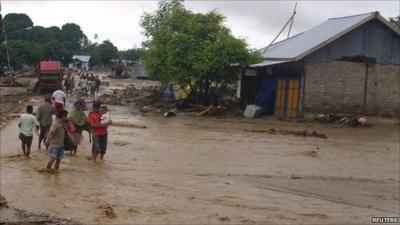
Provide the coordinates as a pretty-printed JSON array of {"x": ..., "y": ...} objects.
[
  {"x": 44, "y": 116},
  {"x": 55, "y": 139},
  {"x": 27, "y": 122},
  {"x": 98, "y": 82},
  {"x": 99, "y": 144}
]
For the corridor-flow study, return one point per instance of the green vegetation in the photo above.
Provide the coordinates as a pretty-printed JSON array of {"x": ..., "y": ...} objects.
[
  {"x": 132, "y": 54},
  {"x": 194, "y": 49},
  {"x": 107, "y": 52},
  {"x": 395, "y": 21},
  {"x": 28, "y": 47}
]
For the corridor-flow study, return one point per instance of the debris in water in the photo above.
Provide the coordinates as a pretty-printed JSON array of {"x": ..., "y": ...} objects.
[
  {"x": 353, "y": 120},
  {"x": 3, "y": 201},
  {"x": 313, "y": 154},
  {"x": 108, "y": 211},
  {"x": 213, "y": 111},
  {"x": 224, "y": 218},
  {"x": 120, "y": 124},
  {"x": 295, "y": 177},
  {"x": 133, "y": 210},
  {"x": 316, "y": 215},
  {"x": 14, "y": 156},
  {"x": 120, "y": 143},
  {"x": 170, "y": 113},
  {"x": 303, "y": 133}
]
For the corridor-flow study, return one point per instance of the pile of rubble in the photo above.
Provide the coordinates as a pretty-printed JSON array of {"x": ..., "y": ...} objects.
[
  {"x": 353, "y": 120},
  {"x": 12, "y": 82},
  {"x": 153, "y": 99},
  {"x": 146, "y": 99}
]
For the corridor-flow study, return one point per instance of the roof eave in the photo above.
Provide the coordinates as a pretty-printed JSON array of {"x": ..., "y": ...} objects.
[{"x": 279, "y": 59}]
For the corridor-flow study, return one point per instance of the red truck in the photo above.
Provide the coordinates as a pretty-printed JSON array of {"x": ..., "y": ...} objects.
[{"x": 50, "y": 76}]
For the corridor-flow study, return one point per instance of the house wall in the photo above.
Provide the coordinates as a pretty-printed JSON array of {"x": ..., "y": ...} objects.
[
  {"x": 339, "y": 86},
  {"x": 372, "y": 39},
  {"x": 383, "y": 93}
]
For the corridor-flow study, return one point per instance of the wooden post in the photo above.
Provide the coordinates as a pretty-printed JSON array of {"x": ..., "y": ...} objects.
[{"x": 365, "y": 87}]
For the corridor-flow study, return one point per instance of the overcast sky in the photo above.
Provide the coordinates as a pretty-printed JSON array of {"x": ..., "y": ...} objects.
[{"x": 256, "y": 21}]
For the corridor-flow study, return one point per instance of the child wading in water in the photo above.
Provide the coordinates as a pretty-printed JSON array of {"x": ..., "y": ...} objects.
[
  {"x": 26, "y": 123},
  {"x": 55, "y": 139}
]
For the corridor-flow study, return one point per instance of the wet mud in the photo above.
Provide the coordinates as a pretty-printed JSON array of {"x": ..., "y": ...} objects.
[{"x": 195, "y": 170}]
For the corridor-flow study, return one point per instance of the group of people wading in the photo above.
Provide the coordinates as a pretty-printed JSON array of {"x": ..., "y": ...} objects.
[{"x": 64, "y": 132}]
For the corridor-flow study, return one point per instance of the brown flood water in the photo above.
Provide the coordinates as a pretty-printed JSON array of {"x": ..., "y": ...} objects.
[{"x": 196, "y": 170}]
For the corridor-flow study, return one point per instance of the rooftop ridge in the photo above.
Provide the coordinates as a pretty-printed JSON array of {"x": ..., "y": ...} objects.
[{"x": 371, "y": 13}]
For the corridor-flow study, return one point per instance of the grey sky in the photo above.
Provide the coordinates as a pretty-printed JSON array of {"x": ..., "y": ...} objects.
[{"x": 256, "y": 21}]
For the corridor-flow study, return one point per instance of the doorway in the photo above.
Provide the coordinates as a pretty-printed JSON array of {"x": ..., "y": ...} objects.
[{"x": 287, "y": 97}]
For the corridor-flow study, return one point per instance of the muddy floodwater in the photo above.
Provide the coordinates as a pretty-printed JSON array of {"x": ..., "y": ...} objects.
[{"x": 203, "y": 170}]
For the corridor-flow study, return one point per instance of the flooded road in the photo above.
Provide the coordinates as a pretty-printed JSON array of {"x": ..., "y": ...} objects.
[{"x": 203, "y": 170}]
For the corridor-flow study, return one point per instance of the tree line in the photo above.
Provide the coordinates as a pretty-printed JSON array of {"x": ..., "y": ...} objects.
[{"x": 28, "y": 44}]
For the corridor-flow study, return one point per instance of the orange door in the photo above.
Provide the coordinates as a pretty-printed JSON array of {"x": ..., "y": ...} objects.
[
  {"x": 287, "y": 98},
  {"x": 280, "y": 99},
  {"x": 293, "y": 99}
]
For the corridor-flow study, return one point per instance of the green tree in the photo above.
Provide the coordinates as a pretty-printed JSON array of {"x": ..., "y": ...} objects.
[
  {"x": 107, "y": 52},
  {"x": 395, "y": 21},
  {"x": 38, "y": 34},
  {"x": 72, "y": 33},
  {"x": 16, "y": 21},
  {"x": 3, "y": 59},
  {"x": 54, "y": 43},
  {"x": 87, "y": 49},
  {"x": 95, "y": 58},
  {"x": 151, "y": 21},
  {"x": 68, "y": 52},
  {"x": 1, "y": 29},
  {"x": 24, "y": 52},
  {"x": 194, "y": 49},
  {"x": 132, "y": 54},
  {"x": 55, "y": 50},
  {"x": 54, "y": 33}
]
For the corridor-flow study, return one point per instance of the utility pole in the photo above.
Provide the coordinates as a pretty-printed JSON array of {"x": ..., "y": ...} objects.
[
  {"x": 5, "y": 42},
  {"x": 3, "y": 34},
  {"x": 291, "y": 23},
  {"x": 7, "y": 53}
]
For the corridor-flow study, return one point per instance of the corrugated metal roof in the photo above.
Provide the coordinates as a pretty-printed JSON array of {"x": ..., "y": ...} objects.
[
  {"x": 268, "y": 63},
  {"x": 82, "y": 58},
  {"x": 50, "y": 65},
  {"x": 304, "y": 43}
]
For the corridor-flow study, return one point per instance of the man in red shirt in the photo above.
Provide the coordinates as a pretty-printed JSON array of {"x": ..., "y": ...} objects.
[{"x": 99, "y": 143}]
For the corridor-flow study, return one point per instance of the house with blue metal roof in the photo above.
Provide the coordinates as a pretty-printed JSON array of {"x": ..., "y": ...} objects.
[{"x": 343, "y": 65}]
